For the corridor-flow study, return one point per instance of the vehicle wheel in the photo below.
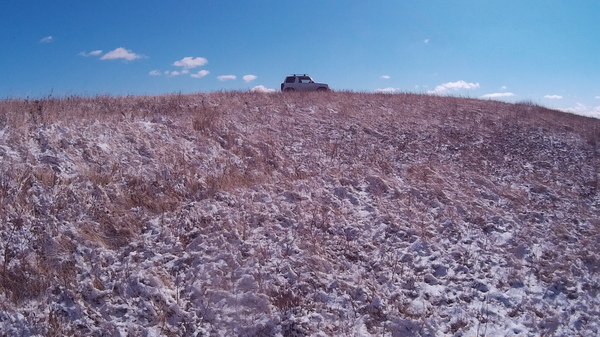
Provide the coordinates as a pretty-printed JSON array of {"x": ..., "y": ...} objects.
[{"x": 289, "y": 89}]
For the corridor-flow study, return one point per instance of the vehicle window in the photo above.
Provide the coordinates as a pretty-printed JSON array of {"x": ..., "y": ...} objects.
[
  {"x": 304, "y": 79},
  {"x": 290, "y": 79}
]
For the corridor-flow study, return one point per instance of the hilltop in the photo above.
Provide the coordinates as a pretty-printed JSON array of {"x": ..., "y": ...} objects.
[{"x": 317, "y": 214}]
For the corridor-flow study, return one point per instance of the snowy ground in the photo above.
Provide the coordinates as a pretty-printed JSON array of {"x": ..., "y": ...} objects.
[{"x": 337, "y": 214}]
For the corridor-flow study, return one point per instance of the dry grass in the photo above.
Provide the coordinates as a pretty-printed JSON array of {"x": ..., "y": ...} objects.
[{"x": 309, "y": 172}]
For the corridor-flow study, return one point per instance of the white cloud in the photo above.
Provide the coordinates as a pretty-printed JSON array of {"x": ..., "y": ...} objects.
[
  {"x": 186, "y": 64},
  {"x": 47, "y": 39},
  {"x": 121, "y": 53},
  {"x": 452, "y": 86},
  {"x": 503, "y": 87},
  {"x": 172, "y": 73},
  {"x": 584, "y": 110},
  {"x": 385, "y": 77},
  {"x": 191, "y": 62},
  {"x": 262, "y": 88},
  {"x": 200, "y": 74},
  {"x": 426, "y": 41},
  {"x": 498, "y": 94},
  {"x": 92, "y": 53},
  {"x": 597, "y": 97},
  {"x": 249, "y": 78},
  {"x": 226, "y": 77},
  {"x": 553, "y": 97},
  {"x": 386, "y": 90}
]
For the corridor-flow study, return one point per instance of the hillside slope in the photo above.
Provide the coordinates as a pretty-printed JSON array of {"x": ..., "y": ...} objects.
[{"x": 335, "y": 214}]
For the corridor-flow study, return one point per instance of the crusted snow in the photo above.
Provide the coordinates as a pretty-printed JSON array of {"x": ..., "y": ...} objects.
[{"x": 299, "y": 215}]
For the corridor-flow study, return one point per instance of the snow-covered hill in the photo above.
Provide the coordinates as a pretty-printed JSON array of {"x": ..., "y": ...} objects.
[{"x": 324, "y": 214}]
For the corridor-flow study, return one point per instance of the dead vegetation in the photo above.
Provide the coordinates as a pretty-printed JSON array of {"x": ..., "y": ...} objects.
[{"x": 254, "y": 214}]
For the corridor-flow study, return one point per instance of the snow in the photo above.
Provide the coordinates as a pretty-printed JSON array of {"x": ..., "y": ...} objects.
[{"x": 339, "y": 214}]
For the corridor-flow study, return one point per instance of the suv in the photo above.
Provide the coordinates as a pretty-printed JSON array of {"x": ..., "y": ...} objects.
[{"x": 302, "y": 83}]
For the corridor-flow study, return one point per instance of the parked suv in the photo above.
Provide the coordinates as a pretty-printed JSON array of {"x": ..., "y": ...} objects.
[{"x": 302, "y": 83}]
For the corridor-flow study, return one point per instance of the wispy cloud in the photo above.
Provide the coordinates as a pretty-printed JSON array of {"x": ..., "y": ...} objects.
[
  {"x": 498, "y": 95},
  {"x": 226, "y": 77},
  {"x": 249, "y": 78},
  {"x": 92, "y": 53},
  {"x": 186, "y": 64},
  {"x": 121, "y": 53},
  {"x": 200, "y": 74},
  {"x": 47, "y": 39},
  {"x": 176, "y": 72},
  {"x": 191, "y": 62},
  {"x": 262, "y": 88},
  {"x": 553, "y": 97},
  {"x": 385, "y": 77},
  {"x": 597, "y": 97},
  {"x": 584, "y": 110},
  {"x": 426, "y": 41},
  {"x": 452, "y": 86},
  {"x": 386, "y": 90}
]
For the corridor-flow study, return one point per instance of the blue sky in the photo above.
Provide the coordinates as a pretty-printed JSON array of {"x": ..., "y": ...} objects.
[{"x": 544, "y": 51}]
